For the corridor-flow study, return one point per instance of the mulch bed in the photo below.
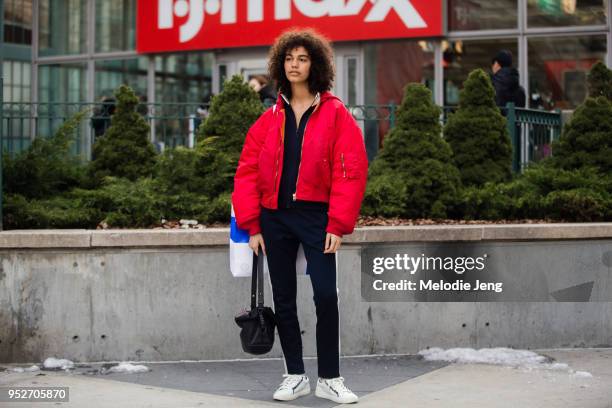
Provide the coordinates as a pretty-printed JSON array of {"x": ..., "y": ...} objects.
[{"x": 361, "y": 222}]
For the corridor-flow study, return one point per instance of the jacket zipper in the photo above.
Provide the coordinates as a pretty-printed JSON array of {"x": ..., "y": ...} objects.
[
  {"x": 278, "y": 150},
  {"x": 343, "y": 168},
  {"x": 300, "y": 165},
  {"x": 302, "y": 149}
]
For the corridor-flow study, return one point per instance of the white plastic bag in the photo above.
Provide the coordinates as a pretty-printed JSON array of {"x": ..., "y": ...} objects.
[{"x": 241, "y": 256}]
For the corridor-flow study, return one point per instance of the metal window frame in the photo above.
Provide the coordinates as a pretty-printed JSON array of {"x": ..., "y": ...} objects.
[
  {"x": 1, "y": 105},
  {"x": 90, "y": 57},
  {"x": 609, "y": 59},
  {"x": 34, "y": 67},
  {"x": 522, "y": 34},
  {"x": 438, "y": 73}
]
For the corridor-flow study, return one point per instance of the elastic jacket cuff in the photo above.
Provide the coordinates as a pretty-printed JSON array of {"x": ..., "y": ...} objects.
[{"x": 334, "y": 230}]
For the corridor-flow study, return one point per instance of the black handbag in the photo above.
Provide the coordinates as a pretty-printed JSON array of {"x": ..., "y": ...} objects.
[{"x": 257, "y": 324}]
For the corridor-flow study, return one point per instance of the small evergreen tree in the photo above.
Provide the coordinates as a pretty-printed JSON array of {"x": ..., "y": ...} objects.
[
  {"x": 413, "y": 175},
  {"x": 587, "y": 138},
  {"x": 222, "y": 135},
  {"x": 600, "y": 81},
  {"x": 477, "y": 134},
  {"x": 231, "y": 114},
  {"x": 125, "y": 149}
]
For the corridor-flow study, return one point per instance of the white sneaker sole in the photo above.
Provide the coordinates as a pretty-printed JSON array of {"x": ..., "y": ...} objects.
[
  {"x": 298, "y": 394},
  {"x": 322, "y": 394}
]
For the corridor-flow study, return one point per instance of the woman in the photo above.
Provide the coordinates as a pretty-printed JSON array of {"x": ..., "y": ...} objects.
[{"x": 300, "y": 179}]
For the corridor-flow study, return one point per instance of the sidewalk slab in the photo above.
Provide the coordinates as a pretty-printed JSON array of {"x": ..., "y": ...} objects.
[
  {"x": 491, "y": 386},
  {"x": 250, "y": 381},
  {"x": 380, "y": 381}
]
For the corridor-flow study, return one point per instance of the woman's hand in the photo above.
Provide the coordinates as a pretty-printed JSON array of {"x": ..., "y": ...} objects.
[
  {"x": 255, "y": 241},
  {"x": 332, "y": 243}
]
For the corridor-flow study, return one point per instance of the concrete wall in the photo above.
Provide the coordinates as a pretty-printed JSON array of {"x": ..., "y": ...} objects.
[{"x": 169, "y": 295}]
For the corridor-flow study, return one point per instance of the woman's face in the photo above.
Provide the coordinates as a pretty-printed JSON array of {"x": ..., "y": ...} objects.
[{"x": 297, "y": 65}]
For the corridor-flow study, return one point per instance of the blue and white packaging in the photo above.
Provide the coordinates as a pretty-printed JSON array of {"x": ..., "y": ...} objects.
[{"x": 241, "y": 256}]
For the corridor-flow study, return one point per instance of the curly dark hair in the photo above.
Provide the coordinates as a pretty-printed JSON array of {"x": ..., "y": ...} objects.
[{"x": 321, "y": 74}]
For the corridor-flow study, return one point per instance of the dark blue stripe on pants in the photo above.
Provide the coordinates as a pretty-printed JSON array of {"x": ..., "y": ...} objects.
[{"x": 283, "y": 230}]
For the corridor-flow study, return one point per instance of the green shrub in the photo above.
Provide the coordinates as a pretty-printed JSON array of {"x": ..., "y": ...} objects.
[
  {"x": 55, "y": 212},
  {"x": 385, "y": 196},
  {"x": 125, "y": 149},
  {"x": 122, "y": 203},
  {"x": 220, "y": 209},
  {"x": 47, "y": 167},
  {"x": 478, "y": 135},
  {"x": 413, "y": 175},
  {"x": 221, "y": 136},
  {"x": 587, "y": 138},
  {"x": 177, "y": 170},
  {"x": 543, "y": 192},
  {"x": 600, "y": 81}
]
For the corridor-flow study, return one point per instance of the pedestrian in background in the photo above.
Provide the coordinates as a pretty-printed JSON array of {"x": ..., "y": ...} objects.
[
  {"x": 301, "y": 178},
  {"x": 101, "y": 119},
  {"x": 262, "y": 86},
  {"x": 505, "y": 80}
]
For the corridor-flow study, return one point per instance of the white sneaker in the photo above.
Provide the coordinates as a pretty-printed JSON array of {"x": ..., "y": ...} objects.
[
  {"x": 293, "y": 386},
  {"x": 335, "y": 390}
]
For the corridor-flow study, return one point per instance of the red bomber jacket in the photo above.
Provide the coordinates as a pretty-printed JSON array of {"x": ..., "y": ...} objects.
[{"x": 333, "y": 167}]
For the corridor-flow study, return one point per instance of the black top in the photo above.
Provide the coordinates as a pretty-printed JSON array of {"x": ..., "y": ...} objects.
[
  {"x": 507, "y": 88},
  {"x": 294, "y": 134}
]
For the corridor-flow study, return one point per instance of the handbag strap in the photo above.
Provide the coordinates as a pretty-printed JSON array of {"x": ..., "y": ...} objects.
[
  {"x": 260, "y": 280},
  {"x": 257, "y": 289}
]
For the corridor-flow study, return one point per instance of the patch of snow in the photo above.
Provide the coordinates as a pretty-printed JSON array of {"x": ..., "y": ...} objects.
[
  {"x": 188, "y": 222},
  {"x": 128, "y": 368},
  {"x": 498, "y": 355},
  {"x": 30, "y": 369},
  {"x": 558, "y": 366},
  {"x": 503, "y": 356},
  {"x": 582, "y": 374},
  {"x": 53, "y": 362}
]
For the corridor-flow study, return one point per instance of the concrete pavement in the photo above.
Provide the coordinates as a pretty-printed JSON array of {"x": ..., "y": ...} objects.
[{"x": 380, "y": 381}]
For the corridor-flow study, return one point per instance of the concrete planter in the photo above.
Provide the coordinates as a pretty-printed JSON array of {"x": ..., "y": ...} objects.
[{"x": 161, "y": 295}]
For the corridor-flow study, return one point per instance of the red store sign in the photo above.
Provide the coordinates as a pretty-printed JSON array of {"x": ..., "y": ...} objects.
[{"x": 174, "y": 25}]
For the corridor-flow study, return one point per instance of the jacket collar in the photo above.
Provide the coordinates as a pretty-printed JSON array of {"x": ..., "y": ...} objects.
[{"x": 319, "y": 99}]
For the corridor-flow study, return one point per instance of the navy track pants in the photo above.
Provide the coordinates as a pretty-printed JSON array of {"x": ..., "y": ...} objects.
[{"x": 283, "y": 230}]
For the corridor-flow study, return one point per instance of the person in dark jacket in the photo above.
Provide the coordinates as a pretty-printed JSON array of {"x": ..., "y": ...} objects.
[
  {"x": 101, "y": 119},
  {"x": 263, "y": 87},
  {"x": 505, "y": 80}
]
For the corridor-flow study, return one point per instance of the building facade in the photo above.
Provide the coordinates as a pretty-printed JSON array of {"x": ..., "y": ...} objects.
[{"x": 72, "y": 51}]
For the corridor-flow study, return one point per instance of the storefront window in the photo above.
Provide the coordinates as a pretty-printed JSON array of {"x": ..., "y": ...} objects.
[
  {"x": 462, "y": 57},
  {"x": 18, "y": 21},
  {"x": 351, "y": 80},
  {"x": 61, "y": 83},
  {"x": 62, "y": 93},
  {"x": 16, "y": 94},
  {"x": 183, "y": 82},
  {"x": 388, "y": 67},
  {"x": 558, "y": 67},
  {"x": 557, "y": 13},
  {"x": 115, "y": 25},
  {"x": 391, "y": 65},
  {"x": 16, "y": 84},
  {"x": 111, "y": 74},
  {"x": 63, "y": 27},
  {"x": 183, "y": 77},
  {"x": 464, "y": 15}
]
